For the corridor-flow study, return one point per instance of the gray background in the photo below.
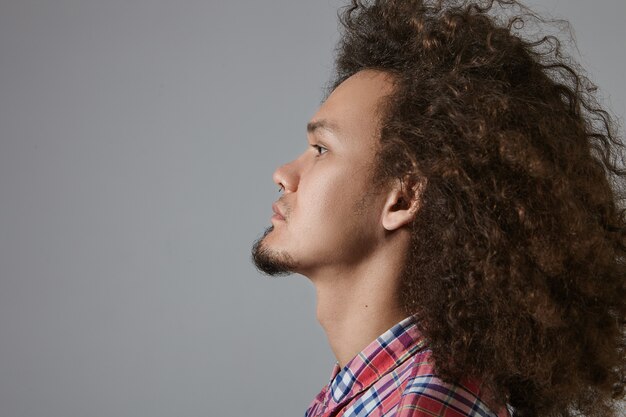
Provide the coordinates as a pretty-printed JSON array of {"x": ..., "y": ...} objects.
[{"x": 137, "y": 143}]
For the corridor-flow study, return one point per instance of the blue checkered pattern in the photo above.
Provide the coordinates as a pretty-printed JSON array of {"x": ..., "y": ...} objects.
[{"x": 342, "y": 384}]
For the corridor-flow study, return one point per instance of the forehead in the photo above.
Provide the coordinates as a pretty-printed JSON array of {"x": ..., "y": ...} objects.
[{"x": 353, "y": 106}]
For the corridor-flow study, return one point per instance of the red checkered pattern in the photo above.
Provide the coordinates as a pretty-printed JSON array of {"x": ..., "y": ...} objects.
[{"x": 393, "y": 377}]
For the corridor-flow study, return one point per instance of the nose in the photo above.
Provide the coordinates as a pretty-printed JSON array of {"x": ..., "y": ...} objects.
[{"x": 287, "y": 176}]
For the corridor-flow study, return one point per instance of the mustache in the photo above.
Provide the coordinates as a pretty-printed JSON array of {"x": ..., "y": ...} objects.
[{"x": 284, "y": 208}]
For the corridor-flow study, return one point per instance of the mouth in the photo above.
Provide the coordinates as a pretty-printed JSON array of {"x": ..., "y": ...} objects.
[{"x": 278, "y": 215}]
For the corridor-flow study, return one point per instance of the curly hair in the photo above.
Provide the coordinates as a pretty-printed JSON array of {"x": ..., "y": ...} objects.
[{"x": 517, "y": 266}]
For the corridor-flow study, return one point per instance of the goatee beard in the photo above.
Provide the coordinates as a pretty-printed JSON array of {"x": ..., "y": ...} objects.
[{"x": 270, "y": 262}]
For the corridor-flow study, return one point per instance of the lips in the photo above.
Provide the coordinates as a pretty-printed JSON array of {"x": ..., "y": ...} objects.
[{"x": 277, "y": 210}]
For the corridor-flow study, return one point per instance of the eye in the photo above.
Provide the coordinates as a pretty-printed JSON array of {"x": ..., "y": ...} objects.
[{"x": 319, "y": 149}]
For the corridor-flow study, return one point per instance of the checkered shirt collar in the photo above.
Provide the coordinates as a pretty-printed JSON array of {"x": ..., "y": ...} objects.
[{"x": 380, "y": 357}]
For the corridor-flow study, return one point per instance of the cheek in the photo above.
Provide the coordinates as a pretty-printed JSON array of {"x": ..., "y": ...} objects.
[
  {"x": 331, "y": 191},
  {"x": 326, "y": 218},
  {"x": 322, "y": 202},
  {"x": 332, "y": 203}
]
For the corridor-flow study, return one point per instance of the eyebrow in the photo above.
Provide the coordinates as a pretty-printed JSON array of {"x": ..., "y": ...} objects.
[{"x": 313, "y": 126}]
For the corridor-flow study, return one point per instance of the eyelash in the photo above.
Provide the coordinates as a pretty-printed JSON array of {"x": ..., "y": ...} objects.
[{"x": 318, "y": 148}]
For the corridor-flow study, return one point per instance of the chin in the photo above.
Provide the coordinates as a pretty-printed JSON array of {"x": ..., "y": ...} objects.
[{"x": 271, "y": 260}]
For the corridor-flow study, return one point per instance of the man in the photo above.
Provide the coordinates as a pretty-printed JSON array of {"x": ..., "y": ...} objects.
[{"x": 459, "y": 213}]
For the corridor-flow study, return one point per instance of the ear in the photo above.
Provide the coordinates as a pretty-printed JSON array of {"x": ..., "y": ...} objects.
[{"x": 403, "y": 202}]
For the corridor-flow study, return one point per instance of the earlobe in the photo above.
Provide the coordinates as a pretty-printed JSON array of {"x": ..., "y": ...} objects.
[{"x": 402, "y": 204}]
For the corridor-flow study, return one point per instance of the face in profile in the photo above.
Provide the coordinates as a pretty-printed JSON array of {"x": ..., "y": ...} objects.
[{"x": 329, "y": 214}]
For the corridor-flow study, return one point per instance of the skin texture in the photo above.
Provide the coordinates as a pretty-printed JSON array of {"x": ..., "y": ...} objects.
[{"x": 349, "y": 239}]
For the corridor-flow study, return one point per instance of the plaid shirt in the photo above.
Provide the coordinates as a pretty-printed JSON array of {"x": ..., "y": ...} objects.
[{"x": 392, "y": 376}]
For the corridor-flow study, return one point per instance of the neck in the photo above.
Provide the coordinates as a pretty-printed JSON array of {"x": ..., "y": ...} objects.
[{"x": 355, "y": 305}]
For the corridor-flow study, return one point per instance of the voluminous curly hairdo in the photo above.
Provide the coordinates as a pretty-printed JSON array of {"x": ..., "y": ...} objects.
[{"x": 517, "y": 263}]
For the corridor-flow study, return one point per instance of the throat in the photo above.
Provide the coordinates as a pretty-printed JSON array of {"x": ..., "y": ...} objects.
[{"x": 353, "y": 318}]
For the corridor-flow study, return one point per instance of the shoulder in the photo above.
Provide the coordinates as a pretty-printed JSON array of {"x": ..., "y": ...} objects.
[{"x": 425, "y": 394}]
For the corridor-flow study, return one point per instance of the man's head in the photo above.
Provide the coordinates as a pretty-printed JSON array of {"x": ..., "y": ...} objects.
[
  {"x": 515, "y": 264},
  {"x": 334, "y": 212}
]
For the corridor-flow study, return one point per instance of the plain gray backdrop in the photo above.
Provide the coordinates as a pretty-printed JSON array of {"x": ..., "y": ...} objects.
[{"x": 137, "y": 144}]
